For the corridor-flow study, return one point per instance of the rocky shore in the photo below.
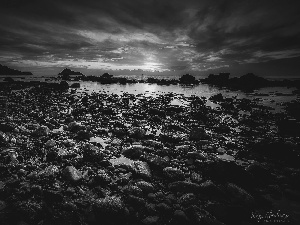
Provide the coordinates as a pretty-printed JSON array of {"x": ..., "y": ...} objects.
[{"x": 76, "y": 158}]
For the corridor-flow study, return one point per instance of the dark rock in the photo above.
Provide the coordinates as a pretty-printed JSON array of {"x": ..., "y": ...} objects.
[
  {"x": 197, "y": 134},
  {"x": 150, "y": 220},
  {"x": 199, "y": 216},
  {"x": 184, "y": 186},
  {"x": 146, "y": 187},
  {"x": 187, "y": 79},
  {"x": 137, "y": 133},
  {"x": 239, "y": 196},
  {"x": 133, "y": 152},
  {"x": 224, "y": 171},
  {"x": 7, "y": 127},
  {"x": 173, "y": 173},
  {"x": 41, "y": 131},
  {"x": 109, "y": 210},
  {"x": 187, "y": 199},
  {"x": 4, "y": 139},
  {"x": 83, "y": 135},
  {"x": 75, "y": 127},
  {"x": 75, "y": 85},
  {"x": 4, "y": 70}
]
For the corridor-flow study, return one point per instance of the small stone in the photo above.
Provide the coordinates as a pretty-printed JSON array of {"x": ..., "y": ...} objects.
[{"x": 50, "y": 143}]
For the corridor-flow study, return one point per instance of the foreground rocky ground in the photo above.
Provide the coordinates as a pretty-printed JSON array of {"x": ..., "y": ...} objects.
[{"x": 69, "y": 158}]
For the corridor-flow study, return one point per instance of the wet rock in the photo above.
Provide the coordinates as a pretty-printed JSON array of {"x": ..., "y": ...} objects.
[
  {"x": 102, "y": 178},
  {"x": 173, "y": 173},
  {"x": 75, "y": 127},
  {"x": 50, "y": 143},
  {"x": 2, "y": 205},
  {"x": 133, "y": 152},
  {"x": 137, "y": 133},
  {"x": 199, "y": 216},
  {"x": 217, "y": 97},
  {"x": 211, "y": 190},
  {"x": 187, "y": 199},
  {"x": 146, "y": 187},
  {"x": 83, "y": 135},
  {"x": 141, "y": 169},
  {"x": 260, "y": 174},
  {"x": 75, "y": 85},
  {"x": 7, "y": 127},
  {"x": 179, "y": 217},
  {"x": 109, "y": 210},
  {"x": 41, "y": 131},
  {"x": 72, "y": 174},
  {"x": 197, "y": 134},
  {"x": 227, "y": 213},
  {"x": 239, "y": 196},
  {"x": 155, "y": 162},
  {"x": 196, "y": 178},
  {"x": 92, "y": 153},
  {"x": 224, "y": 171},
  {"x": 132, "y": 190},
  {"x": 150, "y": 220},
  {"x": 197, "y": 155},
  {"x": 184, "y": 186}
]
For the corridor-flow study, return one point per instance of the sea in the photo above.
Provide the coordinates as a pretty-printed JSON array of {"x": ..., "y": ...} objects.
[{"x": 273, "y": 97}]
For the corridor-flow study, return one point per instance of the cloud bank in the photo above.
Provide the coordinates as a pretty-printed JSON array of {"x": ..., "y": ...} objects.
[{"x": 150, "y": 35}]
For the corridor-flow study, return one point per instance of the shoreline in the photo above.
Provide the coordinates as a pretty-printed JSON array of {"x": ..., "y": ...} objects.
[{"x": 184, "y": 164}]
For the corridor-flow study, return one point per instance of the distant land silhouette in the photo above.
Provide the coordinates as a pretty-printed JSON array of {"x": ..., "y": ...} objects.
[{"x": 4, "y": 70}]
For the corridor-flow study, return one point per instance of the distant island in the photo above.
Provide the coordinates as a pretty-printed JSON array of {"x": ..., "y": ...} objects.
[{"x": 4, "y": 70}]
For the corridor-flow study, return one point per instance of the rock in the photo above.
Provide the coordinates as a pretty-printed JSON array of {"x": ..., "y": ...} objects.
[
  {"x": 141, "y": 169},
  {"x": 217, "y": 97},
  {"x": 225, "y": 171},
  {"x": 239, "y": 196},
  {"x": 109, "y": 210},
  {"x": 75, "y": 127},
  {"x": 197, "y": 134},
  {"x": 72, "y": 174},
  {"x": 163, "y": 208},
  {"x": 75, "y": 85},
  {"x": 210, "y": 190},
  {"x": 83, "y": 135},
  {"x": 187, "y": 199},
  {"x": 132, "y": 190},
  {"x": 50, "y": 143},
  {"x": 199, "y": 216},
  {"x": 197, "y": 155},
  {"x": 102, "y": 178},
  {"x": 92, "y": 153},
  {"x": 2, "y": 205},
  {"x": 155, "y": 162},
  {"x": 196, "y": 178},
  {"x": 259, "y": 173},
  {"x": 229, "y": 214},
  {"x": 146, "y": 187},
  {"x": 41, "y": 131},
  {"x": 7, "y": 127},
  {"x": 137, "y": 133},
  {"x": 173, "y": 173},
  {"x": 49, "y": 171},
  {"x": 133, "y": 152},
  {"x": 150, "y": 220},
  {"x": 179, "y": 218},
  {"x": 184, "y": 187}
]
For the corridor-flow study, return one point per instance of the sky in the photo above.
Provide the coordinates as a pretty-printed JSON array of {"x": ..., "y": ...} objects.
[{"x": 151, "y": 36}]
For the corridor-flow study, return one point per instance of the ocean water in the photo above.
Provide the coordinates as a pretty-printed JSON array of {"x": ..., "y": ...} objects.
[{"x": 273, "y": 97}]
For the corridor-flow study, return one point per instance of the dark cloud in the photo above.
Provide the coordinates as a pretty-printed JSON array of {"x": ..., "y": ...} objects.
[{"x": 167, "y": 35}]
